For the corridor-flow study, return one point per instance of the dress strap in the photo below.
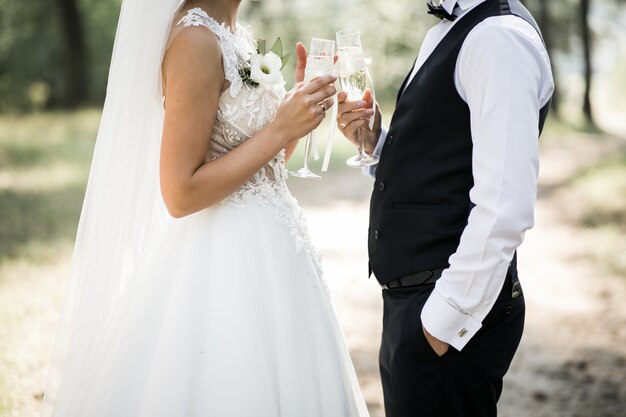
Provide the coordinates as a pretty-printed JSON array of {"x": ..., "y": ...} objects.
[{"x": 233, "y": 54}]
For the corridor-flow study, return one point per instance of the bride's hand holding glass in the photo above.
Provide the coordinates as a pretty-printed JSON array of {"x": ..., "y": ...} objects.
[
  {"x": 353, "y": 120},
  {"x": 301, "y": 58},
  {"x": 304, "y": 108},
  {"x": 320, "y": 62}
]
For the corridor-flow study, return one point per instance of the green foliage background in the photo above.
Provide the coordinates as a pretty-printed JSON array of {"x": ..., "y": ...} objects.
[
  {"x": 32, "y": 52},
  {"x": 32, "y": 47}
]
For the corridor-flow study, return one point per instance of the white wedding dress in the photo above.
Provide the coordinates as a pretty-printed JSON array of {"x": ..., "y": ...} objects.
[{"x": 233, "y": 318}]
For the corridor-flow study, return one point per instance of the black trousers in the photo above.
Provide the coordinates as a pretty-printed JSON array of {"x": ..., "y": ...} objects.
[{"x": 467, "y": 383}]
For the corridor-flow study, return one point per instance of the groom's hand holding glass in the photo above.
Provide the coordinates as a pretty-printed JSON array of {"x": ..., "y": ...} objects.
[{"x": 353, "y": 119}]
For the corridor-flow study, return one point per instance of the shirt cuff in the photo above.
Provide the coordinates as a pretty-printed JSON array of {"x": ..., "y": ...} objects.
[
  {"x": 371, "y": 170},
  {"x": 448, "y": 324}
]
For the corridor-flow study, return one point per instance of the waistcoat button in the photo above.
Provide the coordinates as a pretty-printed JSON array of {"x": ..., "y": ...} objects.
[
  {"x": 390, "y": 139},
  {"x": 381, "y": 186},
  {"x": 376, "y": 235}
]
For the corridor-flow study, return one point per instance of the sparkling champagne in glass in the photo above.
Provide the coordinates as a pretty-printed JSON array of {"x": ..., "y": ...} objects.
[
  {"x": 352, "y": 72},
  {"x": 321, "y": 61},
  {"x": 354, "y": 78}
]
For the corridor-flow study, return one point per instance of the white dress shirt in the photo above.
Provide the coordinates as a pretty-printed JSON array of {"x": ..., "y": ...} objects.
[{"x": 503, "y": 73}]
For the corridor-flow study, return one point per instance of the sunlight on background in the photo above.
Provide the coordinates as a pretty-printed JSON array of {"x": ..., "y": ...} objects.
[{"x": 573, "y": 358}]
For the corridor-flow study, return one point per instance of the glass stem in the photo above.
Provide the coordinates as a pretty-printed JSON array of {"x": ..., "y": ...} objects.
[
  {"x": 307, "y": 150},
  {"x": 359, "y": 141}
]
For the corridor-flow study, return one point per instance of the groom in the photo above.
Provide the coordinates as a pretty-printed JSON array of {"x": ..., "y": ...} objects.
[{"x": 453, "y": 196}]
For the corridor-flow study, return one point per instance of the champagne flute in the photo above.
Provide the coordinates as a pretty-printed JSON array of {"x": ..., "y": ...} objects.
[
  {"x": 354, "y": 79},
  {"x": 321, "y": 61}
]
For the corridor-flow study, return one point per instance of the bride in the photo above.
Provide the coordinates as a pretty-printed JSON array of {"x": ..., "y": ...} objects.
[{"x": 194, "y": 289}]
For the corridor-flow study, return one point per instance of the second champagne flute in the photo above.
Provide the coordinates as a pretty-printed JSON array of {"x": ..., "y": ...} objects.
[
  {"x": 354, "y": 79},
  {"x": 321, "y": 61}
]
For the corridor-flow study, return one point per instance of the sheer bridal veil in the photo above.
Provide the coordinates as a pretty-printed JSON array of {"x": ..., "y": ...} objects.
[{"x": 123, "y": 209}]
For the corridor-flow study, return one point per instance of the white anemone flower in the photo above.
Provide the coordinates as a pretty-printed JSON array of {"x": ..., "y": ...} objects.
[{"x": 265, "y": 70}]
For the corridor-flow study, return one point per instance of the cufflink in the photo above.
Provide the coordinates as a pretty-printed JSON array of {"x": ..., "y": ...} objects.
[
  {"x": 463, "y": 332},
  {"x": 517, "y": 290}
]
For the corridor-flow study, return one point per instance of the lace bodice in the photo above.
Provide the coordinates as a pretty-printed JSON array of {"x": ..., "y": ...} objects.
[{"x": 244, "y": 110}]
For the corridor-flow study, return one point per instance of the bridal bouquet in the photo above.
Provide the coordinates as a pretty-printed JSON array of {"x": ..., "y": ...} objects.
[{"x": 264, "y": 67}]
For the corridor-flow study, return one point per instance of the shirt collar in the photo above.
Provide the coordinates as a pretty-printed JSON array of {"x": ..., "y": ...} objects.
[{"x": 449, "y": 5}]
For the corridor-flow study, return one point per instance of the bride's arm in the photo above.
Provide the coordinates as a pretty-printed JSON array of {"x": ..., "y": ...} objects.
[{"x": 194, "y": 78}]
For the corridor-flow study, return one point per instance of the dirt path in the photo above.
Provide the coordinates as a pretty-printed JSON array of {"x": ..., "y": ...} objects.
[{"x": 572, "y": 361}]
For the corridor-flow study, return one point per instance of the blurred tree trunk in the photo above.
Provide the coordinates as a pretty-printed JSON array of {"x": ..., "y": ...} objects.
[
  {"x": 588, "y": 69},
  {"x": 547, "y": 25},
  {"x": 76, "y": 73}
]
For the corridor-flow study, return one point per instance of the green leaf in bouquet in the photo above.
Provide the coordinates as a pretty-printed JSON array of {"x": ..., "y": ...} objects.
[
  {"x": 277, "y": 48},
  {"x": 261, "y": 46},
  {"x": 284, "y": 59}
]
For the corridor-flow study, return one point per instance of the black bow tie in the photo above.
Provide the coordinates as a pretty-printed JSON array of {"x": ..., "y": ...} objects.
[{"x": 440, "y": 12}]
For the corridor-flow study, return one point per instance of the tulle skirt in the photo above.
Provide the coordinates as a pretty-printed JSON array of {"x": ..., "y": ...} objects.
[{"x": 229, "y": 317}]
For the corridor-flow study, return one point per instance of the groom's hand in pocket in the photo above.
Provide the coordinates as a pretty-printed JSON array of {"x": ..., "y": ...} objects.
[
  {"x": 439, "y": 347},
  {"x": 353, "y": 120}
]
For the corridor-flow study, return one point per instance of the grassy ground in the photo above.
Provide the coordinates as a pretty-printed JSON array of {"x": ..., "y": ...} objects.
[{"x": 44, "y": 162}]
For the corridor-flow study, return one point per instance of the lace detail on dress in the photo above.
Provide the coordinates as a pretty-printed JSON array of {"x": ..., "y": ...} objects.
[
  {"x": 241, "y": 114},
  {"x": 275, "y": 196}
]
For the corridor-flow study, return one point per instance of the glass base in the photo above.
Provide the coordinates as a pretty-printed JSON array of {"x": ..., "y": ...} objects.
[
  {"x": 361, "y": 161},
  {"x": 304, "y": 173}
]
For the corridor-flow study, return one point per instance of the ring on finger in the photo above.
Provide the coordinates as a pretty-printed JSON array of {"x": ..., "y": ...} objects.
[
  {"x": 343, "y": 125},
  {"x": 323, "y": 107}
]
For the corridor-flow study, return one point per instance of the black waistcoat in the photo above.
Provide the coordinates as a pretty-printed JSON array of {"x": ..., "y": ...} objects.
[{"x": 420, "y": 203}]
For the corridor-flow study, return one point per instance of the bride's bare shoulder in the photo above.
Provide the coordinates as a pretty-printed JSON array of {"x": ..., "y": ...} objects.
[
  {"x": 194, "y": 52},
  {"x": 189, "y": 23}
]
